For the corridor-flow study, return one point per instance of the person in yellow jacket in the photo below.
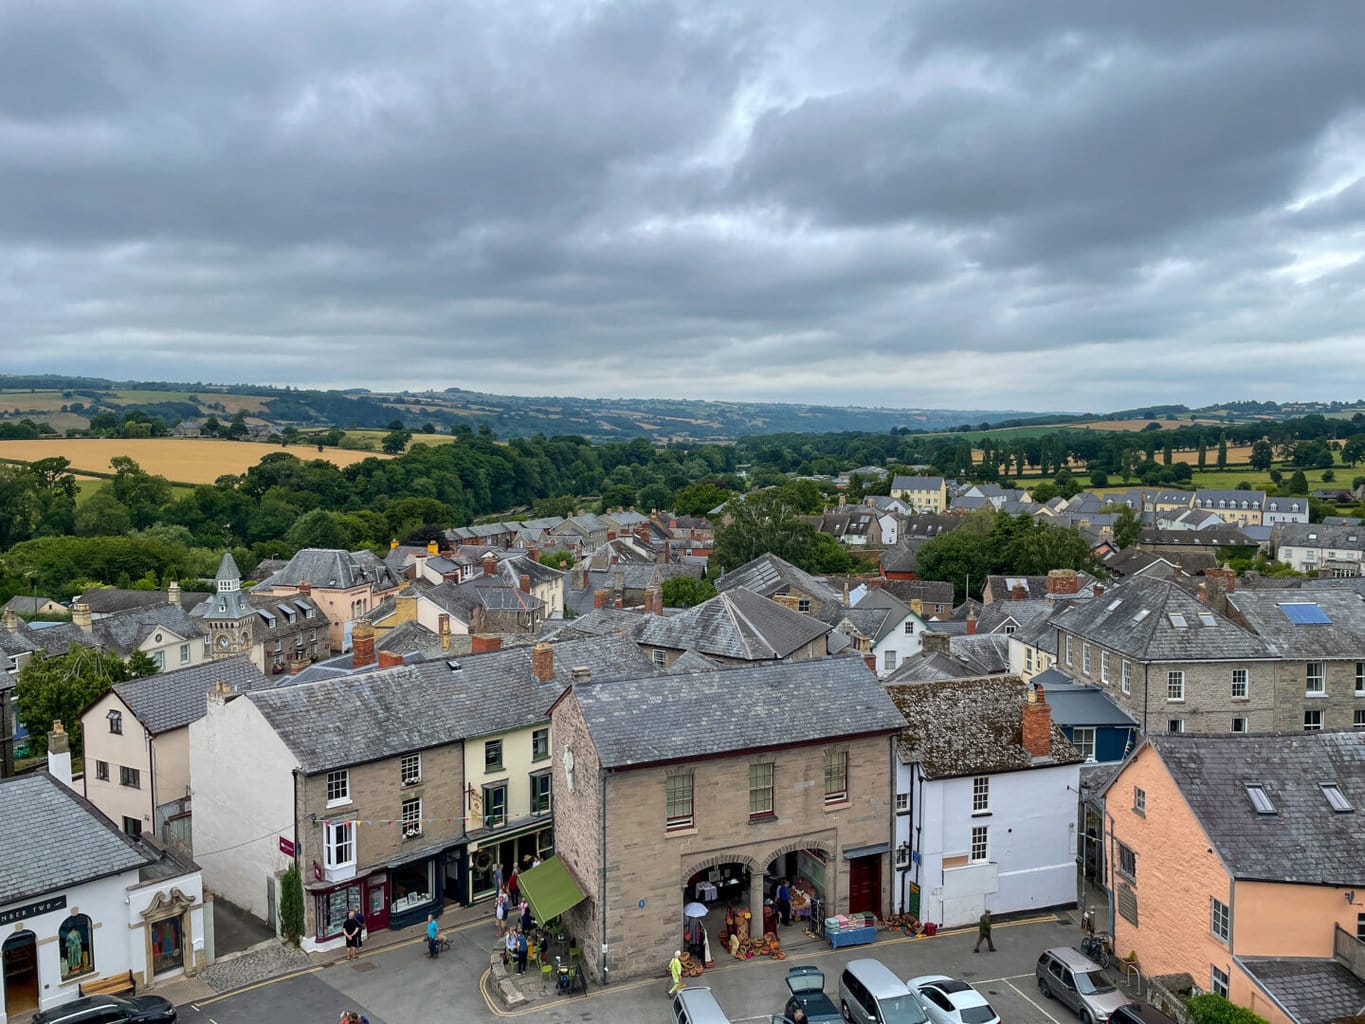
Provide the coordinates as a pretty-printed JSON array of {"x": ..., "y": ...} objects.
[{"x": 675, "y": 972}]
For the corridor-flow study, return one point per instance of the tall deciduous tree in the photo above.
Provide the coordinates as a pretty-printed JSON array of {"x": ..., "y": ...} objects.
[{"x": 59, "y": 688}]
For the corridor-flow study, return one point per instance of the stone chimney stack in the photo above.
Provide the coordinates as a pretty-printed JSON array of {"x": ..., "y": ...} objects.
[
  {"x": 935, "y": 643},
  {"x": 642, "y": 533},
  {"x": 59, "y": 755},
  {"x": 1228, "y": 576},
  {"x": 173, "y": 593},
  {"x": 10, "y": 619},
  {"x": 1035, "y": 723},
  {"x": 600, "y": 598},
  {"x": 543, "y": 662},
  {"x": 362, "y": 645},
  {"x": 80, "y": 615},
  {"x": 443, "y": 626},
  {"x": 490, "y": 563},
  {"x": 654, "y": 601},
  {"x": 524, "y": 581}
]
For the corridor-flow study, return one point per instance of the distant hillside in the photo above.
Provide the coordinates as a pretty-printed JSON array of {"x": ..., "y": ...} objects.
[{"x": 69, "y": 402}]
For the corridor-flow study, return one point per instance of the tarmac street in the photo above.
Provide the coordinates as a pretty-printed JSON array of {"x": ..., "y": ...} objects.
[{"x": 397, "y": 984}]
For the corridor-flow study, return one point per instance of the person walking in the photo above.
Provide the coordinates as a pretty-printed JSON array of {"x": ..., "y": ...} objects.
[
  {"x": 432, "y": 931},
  {"x": 527, "y": 921},
  {"x": 523, "y": 948},
  {"x": 509, "y": 948},
  {"x": 783, "y": 902},
  {"x": 675, "y": 972},
  {"x": 513, "y": 887},
  {"x": 983, "y": 933},
  {"x": 351, "y": 929},
  {"x": 500, "y": 912}
]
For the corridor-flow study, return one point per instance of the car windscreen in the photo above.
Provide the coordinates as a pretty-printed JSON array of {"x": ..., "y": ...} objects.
[
  {"x": 1093, "y": 983},
  {"x": 901, "y": 1010},
  {"x": 976, "y": 1014}
]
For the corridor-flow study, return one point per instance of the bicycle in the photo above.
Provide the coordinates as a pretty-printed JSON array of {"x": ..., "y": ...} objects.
[{"x": 1098, "y": 947}]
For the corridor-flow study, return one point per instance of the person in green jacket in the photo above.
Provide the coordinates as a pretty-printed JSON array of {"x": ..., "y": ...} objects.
[
  {"x": 983, "y": 933},
  {"x": 675, "y": 972}
]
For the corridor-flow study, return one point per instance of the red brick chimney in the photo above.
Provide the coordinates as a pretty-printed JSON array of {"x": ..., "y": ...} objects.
[
  {"x": 543, "y": 662},
  {"x": 1228, "y": 576},
  {"x": 481, "y": 643},
  {"x": 1035, "y": 723},
  {"x": 600, "y": 598},
  {"x": 871, "y": 660},
  {"x": 525, "y": 583},
  {"x": 1018, "y": 592},
  {"x": 667, "y": 552},
  {"x": 654, "y": 601},
  {"x": 1063, "y": 581},
  {"x": 971, "y": 623},
  {"x": 642, "y": 533},
  {"x": 490, "y": 563},
  {"x": 533, "y": 553},
  {"x": 305, "y": 588},
  {"x": 362, "y": 645},
  {"x": 611, "y": 535},
  {"x": 390, "y": 659}
]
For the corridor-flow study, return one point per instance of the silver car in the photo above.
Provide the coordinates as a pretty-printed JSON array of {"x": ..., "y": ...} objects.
[{"x": 1067, "y": 975}]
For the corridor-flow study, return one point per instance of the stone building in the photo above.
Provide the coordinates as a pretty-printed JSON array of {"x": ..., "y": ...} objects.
[{"x": 712, "y": 786}]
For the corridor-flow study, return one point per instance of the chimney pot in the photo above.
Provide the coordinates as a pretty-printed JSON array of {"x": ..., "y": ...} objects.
[
  {"x": 543, "y": 662},
  {"x": 173, "y": 593}
]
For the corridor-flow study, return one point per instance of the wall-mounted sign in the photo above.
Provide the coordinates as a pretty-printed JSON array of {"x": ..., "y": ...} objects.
[
  {"x": 32, "y": 909},
  {"x": 286, "y": 846}
]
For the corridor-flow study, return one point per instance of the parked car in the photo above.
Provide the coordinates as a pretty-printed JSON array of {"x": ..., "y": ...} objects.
[
  {"x": 109, "y": 1010},
  {"x": 1067, "y": 975},
  {"x": 807, "y": 987},
  {"x": 948, "y": 1001}
]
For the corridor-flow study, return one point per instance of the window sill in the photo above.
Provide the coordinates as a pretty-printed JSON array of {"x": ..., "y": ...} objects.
[
  {"x": 338, "y": 803},
  {"x": 1175, "y": 700},
  {"x": 1139, "y": 812},
  {"x": 981, "y": 814},
  {"x": 763, "y": 819},
  {"x": 1240, "y": 700},
  {"x": 1313, "y": 695},
  {"x": 675, "y": 833},
  {"x": 839, "y": 805}
]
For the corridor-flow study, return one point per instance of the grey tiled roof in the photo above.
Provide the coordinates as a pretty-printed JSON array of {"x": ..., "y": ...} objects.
[
  {"x": 366, "y": 717},
  {"x": 917, "y": 483},
  {"x": 1314, "y": 991},
  {"x": 172, "y": 700},
  {"x": 1130, "y": 561},
  {"x": 27, "y": 604},
  {"x": 1264, "y": 611},
  {"x": 103, "y": 600},
  {"x": 1113, "y": 621},
  {"x": 969, "y": 656},
  {"x": 597, "y": 622},
  {"x": 639, "y": 721},
  {"x": 125, "y": 631},
  {"x": 929, "y": 592},
  {"x": 691, "y": 661},
  {"x": 1214, "y": 537},
  {"x": 735, "y": 624},
  {"x": 1081, "y": 703},
  {"x": 901, "y": 558},
  {"x": 1318, "y": 535},
  {"x": 408, "y": 637},
  {"x": 51, "y": 838},
  {"x": 970, "y": 727},
  {"x": 767, "y": 575},
  {"x": 333, "y": 569},
  {"x": 18, "y": 641},
  {"x": 61, "y": 637},
  {"x": 1304, "y": 841}
]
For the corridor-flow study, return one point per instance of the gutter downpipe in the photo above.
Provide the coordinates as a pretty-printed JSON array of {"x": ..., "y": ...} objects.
[{"x": 603, "y": 775}]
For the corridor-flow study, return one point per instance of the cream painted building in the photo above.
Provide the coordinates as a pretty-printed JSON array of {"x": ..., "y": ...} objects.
[{"x": 922, "y": 493}]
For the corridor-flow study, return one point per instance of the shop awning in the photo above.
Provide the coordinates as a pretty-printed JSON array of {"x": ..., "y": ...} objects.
[
  {"x": 550, "y": 889},
  {"x": 854, "y": 852}
]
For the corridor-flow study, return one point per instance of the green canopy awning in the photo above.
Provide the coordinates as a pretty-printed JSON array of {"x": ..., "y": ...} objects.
[{"x": 550, "y": 889}]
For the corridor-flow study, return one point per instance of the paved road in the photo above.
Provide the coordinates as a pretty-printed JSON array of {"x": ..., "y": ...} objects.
[{"x": 399, "y": 985}]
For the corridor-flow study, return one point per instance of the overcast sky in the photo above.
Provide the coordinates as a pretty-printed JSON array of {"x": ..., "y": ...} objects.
[{"x": 1041, "y": 204}]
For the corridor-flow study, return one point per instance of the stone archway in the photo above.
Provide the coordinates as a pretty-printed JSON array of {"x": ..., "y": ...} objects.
[
  {"x": 751, "y": 896},
  {"x": 829, "y": 885}
]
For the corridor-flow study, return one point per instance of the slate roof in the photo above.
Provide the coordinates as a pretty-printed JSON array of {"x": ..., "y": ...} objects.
[
  {"x": 27, "y": 604},
  {"x": 969, "y": 657},
  {"x": 895, "y": 611},
  {"x": 126, "y": 631},
  {"x": 691, "y": 661},
  {"x": 1318, "y": 535},
  {"x": 1314, "y": 991},
  {"x": 18, "y": 641},
  {"x": 1113, "y": 621},
  {"x": 408, "y": 638},
  {"x": 735, "y": 624},
  {"x": 970, "y": 727},
  {"x": 1131, "y": 561},
  {"x": 901, "y": 558},
  {"x": 1213, "y": 537},
  {"x": 596, "y": 622},
  {"x": 1076, "y": 703},
  {"x": 104, "y": 600},
  {"x": 172, "y": 700},
  {"x": 929, "y": 592},
  {"x": 51, "y": 839},
  {"x": 916, "y": 483},
  {"x": 1266, "y": 612},
  {"x": 635, "y": 722},
  {"x": 767, "y": 575},
  {"x": 1304, "y": 841},
  {"x": 334, "y": 723},
  {"x": 333, "y": 569},
  {"x": 58, "y": 638}
]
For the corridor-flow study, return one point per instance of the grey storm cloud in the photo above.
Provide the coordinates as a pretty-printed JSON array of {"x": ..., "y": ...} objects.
[{"x": 1049, "y": 205}]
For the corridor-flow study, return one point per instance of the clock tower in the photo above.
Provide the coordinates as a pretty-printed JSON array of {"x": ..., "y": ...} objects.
[{"x": 227, "y": 619}]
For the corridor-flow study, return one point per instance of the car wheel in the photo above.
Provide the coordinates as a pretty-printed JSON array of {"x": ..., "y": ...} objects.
[
  {"x": 1087, "y": 1018},
  {"x": 843, "y": 1008},
  {"x": 1042, "y": 987}
]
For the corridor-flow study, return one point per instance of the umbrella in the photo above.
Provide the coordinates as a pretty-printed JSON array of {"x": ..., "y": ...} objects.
[{"x": 694, "y": 910}]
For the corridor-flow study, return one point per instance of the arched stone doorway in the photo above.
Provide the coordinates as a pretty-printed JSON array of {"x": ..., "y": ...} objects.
[
  {"x": 721, "y": 882},
  {"x": 19, "y": 968},
  {"x": 812, "y": 874}
]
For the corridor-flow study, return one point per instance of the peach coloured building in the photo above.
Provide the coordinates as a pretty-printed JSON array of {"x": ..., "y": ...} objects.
[{"x": 1240, "y": 860}]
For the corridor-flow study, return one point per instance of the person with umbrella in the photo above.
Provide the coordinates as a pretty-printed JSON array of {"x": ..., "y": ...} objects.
[{"x": 694, "y": 934}]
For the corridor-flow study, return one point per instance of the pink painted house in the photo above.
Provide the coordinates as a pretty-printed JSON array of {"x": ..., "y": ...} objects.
[{"x": 1240, "y": 860}]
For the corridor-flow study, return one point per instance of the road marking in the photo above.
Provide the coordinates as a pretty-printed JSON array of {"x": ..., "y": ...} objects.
[{"x": 1030, "y": 1001}]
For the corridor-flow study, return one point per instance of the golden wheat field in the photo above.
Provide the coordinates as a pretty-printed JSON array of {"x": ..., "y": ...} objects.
[{"x": 185, "y": 460}]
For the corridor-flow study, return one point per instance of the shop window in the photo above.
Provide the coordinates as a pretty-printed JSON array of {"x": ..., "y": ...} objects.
[
  {"x": 540, "y": 792},
  {"x": 540, "y": 744},
  {"x": 338, "y": 787},
  {"x": 492, "y": 755},
  {"x": 411, "y": 769},
  {"x": 761, "y": 789},
  {"x": 836, "y": 776},
  {"x": 75, "y": 946},
  {"x": 678, "y": 801},
  {"x": 115, "y": 722},
  {"x": 168, "y": 952},
  {"x": 331, "y": 909},
  {"x": 412, "y": 886},
  {"x": 130, "y": 777},
  {"x": 495, "y": 805}
]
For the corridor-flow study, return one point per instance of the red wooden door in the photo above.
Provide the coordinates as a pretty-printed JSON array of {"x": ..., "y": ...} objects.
[{"x": 865, "y": 884}]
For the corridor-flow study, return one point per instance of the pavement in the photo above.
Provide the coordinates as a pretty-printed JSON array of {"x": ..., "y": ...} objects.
[{"x": 393, "y": 981}]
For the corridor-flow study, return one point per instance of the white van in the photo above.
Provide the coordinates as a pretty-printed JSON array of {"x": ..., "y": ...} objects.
[
  {"x": 697, "y": 1006},
  {"x": 870, "y": 994}
]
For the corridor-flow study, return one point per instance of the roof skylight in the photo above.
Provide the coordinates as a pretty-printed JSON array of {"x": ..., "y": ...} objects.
[{"x": 1260, "y": 800}]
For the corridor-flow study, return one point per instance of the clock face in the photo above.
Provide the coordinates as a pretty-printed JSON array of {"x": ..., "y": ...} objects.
[{"x": 224, "y": 641}]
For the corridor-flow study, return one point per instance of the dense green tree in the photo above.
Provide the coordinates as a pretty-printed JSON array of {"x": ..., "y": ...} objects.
[
  {"x": 1353, "y": 449},
  {"x": 653, "y": 497},
  {"x": 557, "y": 559},
  {"x": 1127, "y": 527},
  {"x": 963, "y": 557},
  {"x": 102, "y": 515},
  {"x": 770, "y": 522},
  {"x": 1222, "y": 451},
  {"x": 1298, "y": 483},
  {"x": 395, "y": 441},
  {"x": 686, "y": 591},
  {"x": 59, "y": 687},
  {"x": 1211, "y": 1008},
  {"x": 698, "y": 499},
  {"x": 1262, "y": 454},
  {"x": 617, "y": 496},
  {"x": 319, "y": 529}
]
